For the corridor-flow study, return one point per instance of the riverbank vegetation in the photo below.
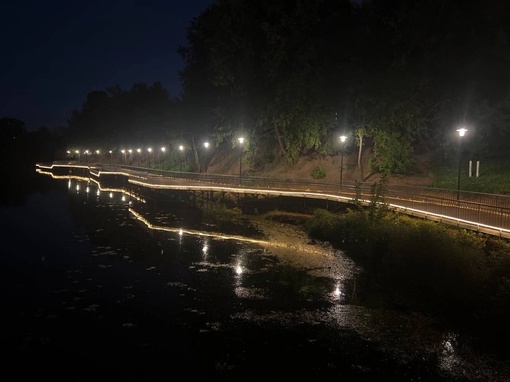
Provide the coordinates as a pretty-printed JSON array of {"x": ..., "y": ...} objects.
[{"x": 460, "y": 274}]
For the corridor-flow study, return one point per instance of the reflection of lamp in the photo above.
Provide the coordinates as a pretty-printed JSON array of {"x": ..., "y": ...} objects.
[
  {"x": 342, "y": 150},
  {"x": 462, "y": 132},
  {"x": 241, "y": 141}
]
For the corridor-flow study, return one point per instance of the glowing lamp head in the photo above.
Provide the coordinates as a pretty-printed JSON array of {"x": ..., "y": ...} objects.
[
  {"x": 462, "y": 131},
  {"x": 343, "y": 138}
]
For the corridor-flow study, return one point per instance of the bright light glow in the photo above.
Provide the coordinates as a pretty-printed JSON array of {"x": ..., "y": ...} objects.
[
  {"x": 87, "y": 190},
  {"x": 110, "y": 151},
  {"x": 139, "y": 150},
  {"x": 206, "y": 144},
  {"x": 123, "y": 151},
  {"x": 77, "y": 187},
  {"x": 343, "y": 138},
  {"x": 111, "y": 195},
  {"x": 77, "y": 151},
  {"x": 68, "y": 152},
  {"x": 181, "y": 147},
  {"x": 130, "y": 151},
  {"x": 462, "y": 131},
  {"x": 239, "y": 269},
  {"x": 241, "y": 140},
  {"x": 97, "y": 152},
  {"x": 163, "y": 149},
  {"x": 86, "y": 151},
  {"x": 149, "y": 149}
]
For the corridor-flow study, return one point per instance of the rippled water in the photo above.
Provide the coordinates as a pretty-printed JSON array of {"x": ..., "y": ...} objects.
[{"x": 97, "y": 286}]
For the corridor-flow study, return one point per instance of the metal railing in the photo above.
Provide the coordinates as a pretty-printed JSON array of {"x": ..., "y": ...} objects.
[{"x": 474, "y": 210}]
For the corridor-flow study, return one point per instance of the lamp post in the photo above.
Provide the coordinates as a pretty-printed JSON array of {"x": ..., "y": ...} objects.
[
  {"x": 241, "y": 141},
  {"x": 111, "y": 152},
  {"x": 342, "y": 152},
  {"x": 78, "y": 153},
  {"x": 462, "y": 132},
  {"x": 163, "y": 149},
  {"x": 181, "y": 147},
  {"x": 150, "y": 154},
  {"x": 206, "y": 164}
]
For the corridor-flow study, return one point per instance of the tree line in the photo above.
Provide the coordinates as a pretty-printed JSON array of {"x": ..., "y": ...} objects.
[{"x": 399, "y": 76}]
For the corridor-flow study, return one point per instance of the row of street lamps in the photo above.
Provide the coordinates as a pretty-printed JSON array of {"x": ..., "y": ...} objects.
[
  {"x": 343, "y": 138},
  {"x": 125, "y": 152}
]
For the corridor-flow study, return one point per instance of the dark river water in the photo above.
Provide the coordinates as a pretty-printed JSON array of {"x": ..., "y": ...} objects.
[{"x": 104, "y": 286}]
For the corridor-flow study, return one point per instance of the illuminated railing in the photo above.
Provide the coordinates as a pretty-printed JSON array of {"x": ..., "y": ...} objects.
[{"x": 488, "y": 213}]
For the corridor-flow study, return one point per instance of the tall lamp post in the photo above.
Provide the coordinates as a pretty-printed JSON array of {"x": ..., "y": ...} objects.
[
  {"x": 206, "y": 163},
  {"x": 181, "y": 147},
  {"x": 150, "y": 155},
  {"x": 163, "y": 150},
  {"x": 241, "y": 141},
  {"x": 342, "y": 153},
  {"x": 462, "y": 132}
]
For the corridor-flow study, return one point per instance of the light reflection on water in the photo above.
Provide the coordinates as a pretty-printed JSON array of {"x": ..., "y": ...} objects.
[{"x": 217, "y": 277}]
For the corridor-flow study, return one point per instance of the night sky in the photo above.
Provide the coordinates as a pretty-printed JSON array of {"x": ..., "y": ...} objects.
[{"x": 55, "y": 52}]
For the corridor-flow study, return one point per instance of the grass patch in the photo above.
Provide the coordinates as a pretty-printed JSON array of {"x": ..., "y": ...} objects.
[{"x": 494, "y": 177}]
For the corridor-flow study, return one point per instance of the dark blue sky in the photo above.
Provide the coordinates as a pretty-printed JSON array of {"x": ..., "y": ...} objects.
[{"x": 53, "y": 53}]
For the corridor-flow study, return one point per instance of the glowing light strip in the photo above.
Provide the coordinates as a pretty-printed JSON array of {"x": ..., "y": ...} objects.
[
  {"x": 98, "y": 173},
  {"x": 102, "y": 189},
  {"x": 475, "y": 225},
  {"x": 244, "y": 190},
  {"x": 220, "y": 236},
  {"x": 502, "y": 231}
]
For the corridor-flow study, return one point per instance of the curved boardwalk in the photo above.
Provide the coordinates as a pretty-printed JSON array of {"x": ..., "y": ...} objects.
[{"x": 487, "y": 213}]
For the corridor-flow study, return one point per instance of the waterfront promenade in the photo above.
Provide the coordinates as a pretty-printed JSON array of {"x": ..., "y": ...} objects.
[{"x": 487, "y": 213}]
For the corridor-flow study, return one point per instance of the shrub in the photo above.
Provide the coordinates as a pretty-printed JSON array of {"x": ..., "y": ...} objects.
[{"x": 318, "y": 173}]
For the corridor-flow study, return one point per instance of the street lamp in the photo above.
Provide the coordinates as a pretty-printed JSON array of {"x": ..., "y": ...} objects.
[
  {"x": 181, "y": 147},
  {"x": 150, "y": 154},
  {"x": 111, "y": 152},
  {"x": 206, "y": 145},
  {"x": 163, "y": 149},
  {"x": 78, "y": 153},
  {"x": 241, "y": 141},
  {"x": 462, "y": 132},
  {"x": 342, "y": 153}
]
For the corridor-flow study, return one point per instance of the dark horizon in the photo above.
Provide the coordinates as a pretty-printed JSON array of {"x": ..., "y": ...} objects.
[{"x": 60, "y": 53}]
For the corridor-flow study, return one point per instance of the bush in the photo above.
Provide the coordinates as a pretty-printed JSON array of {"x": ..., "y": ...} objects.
[{"x": 318, "y": 173}]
